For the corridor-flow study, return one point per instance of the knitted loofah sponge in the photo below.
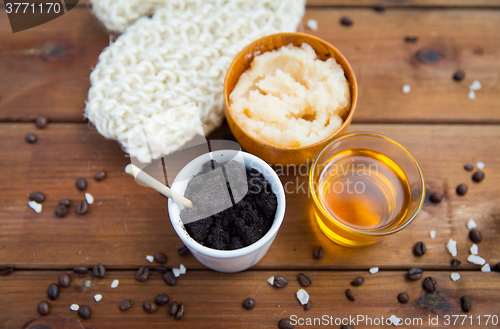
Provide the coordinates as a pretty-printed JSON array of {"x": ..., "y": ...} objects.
[{"x": 178, "y": 56}]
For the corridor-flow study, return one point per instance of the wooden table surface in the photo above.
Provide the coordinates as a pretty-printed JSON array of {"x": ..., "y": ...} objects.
[{"x": 44, "y": 72}]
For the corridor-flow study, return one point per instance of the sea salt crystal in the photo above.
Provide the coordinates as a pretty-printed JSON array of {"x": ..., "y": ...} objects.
[
  {"x": 452, "y": 247},
  {"x": 89, "y": 198},
  {"x": 373, "y": 270},
  {"x": 35, "y": 206},
  {"x": 432, "y": 234},
  {"x": 271, "y": 281},
  {"x": 471, "y": 224},
  {"x": 476, "y": 85},
  {"x": 303, "y": 296},
  {"x": 394, "y": 320},
  {"x": 455, "y": 276},
  {"x": 474, "y": 249},
  {"x": 471, "y": 95},
  {"x": 74, "y": 307},
  {"x": 114, "y": 284},
  {"x": 486, "y": 268},
  {"x": 176, "y": 272},
  {"x": 182, "y": 269},
  {"x": 98, "y": 297},
  {"x": 474, "y": 259},
  {"x": 406, "y": 89},
  {"x": 312, "y": 24},
  {"x": 150, "y": 258},
  {"x": 480, "y": 165}
]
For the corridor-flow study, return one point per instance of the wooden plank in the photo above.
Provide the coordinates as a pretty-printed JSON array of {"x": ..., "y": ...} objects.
[
  {"x": 56, "y": 85},
  {"x": 128, "y": 222},
  {"x": 405, "y": 3},
  {"x": 214, "y": 299}
]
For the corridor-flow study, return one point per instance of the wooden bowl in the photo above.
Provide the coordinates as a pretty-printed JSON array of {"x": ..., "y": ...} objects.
[{"x": 270, "y": 153}]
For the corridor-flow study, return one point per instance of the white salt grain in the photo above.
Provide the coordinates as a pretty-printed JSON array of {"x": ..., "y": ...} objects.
[
  {"x": 176, "y": 272},
  {"x": 98, "y": 297},
  {"x": 480, "y": 165},
  {"x": 74, "y": 307},
  {"x": 271, "y": 281},
  {"x": 114, "y": 284},
  {"x": 394, "y": 320},
  {"x": 486, "y": 268},
  {"x": 474, "y": 249},
  {"x": 150, "y": 258},
  {"x": 455, "y": 276},
  {"x": 471, "y": 95},
  {"x": 373, "y": 270},
  {"x": 476, "y": 85},
  {"x": 474, "y": 259},
  {"x": 312, "y": 24},
  {"x": 182, "y": 269},
  {"x": 432, "y": 234},
  {"x": 471, "y": 224},
  {"x": 303, "y": 296},
  {"x": 35, "y": 206},
  {"x": 406, "y": 89},
  {"x": 89, "y": 198},
  {"x": 452, "y": 247}
]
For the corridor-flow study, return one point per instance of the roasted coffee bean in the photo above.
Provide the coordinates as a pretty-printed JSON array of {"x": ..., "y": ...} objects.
[
  {"x": 180, "y": 312},
  {"x": 319, "y": 252},
  {"x": 455, "y": 262},
  {"x": 415, "y": 274},
  {"x": 173, "y": 308},
  {"x": 161, "y": 299},
  {"x": 44, "y": 308},
  {"x": 380, "y": 7},
  {"x": 80, "y": 270},
  {"x": 37, "y": 197},
  {"x": 169, "y": 279},
  {"x": 462, "y": 189},
  {"x": 496, "y": 268},
  {"x": 30, "y": 138},
  {"x": 305, "y": 280},
  {"x": 420, "y": 248},
  {"x": 41, "y": 122},
  {"x": 478, "y": 176},
  {"x": 53, "y": 291},
  {"x": 161, "y": 258},
  {"x": 430, "y": 284},
  {"x": 428, "y": 56},
  {"x": 468, "y": 167},
  {"x": 5, "y": 270},
  {"x": 459, "y": 75},
  {"x": 359, "y": 281},
  {"x": 249, "y": 303},
  {"x": 280, "y": 282},
  {"x": 346, "y": 21},
  {"x": 60, "y": 211},
  {"x": 64, "y": 280},
  {"x": 307, "y": 307},
  {"x": 411, "y": 38},
  {"x": 99, "y": 271},
  {"x": 346, "y": 327},
  {"x": 100, "y": 175},
  {"x": 161, "y": 269},
  {"x": 125, "y": 304},
  {"x": 81, "y": 208},
  {"x": 285, "y": 324},
  {"x": 465, "y": 304},
  {"x": 65, "y": 202},
  {"x": 349, "y": 295},
  {"x": 403, "y": 298},
  {"x": 184, "y": 251},
  {"x": 142, "y": 274},
  {"x": 149, "y": 307},
  {"x": 475, "y": 235},
  {"x": 81, "y": 184},
  {"x": 85, "y": 312},
  {"x": 436, "y": 197}
]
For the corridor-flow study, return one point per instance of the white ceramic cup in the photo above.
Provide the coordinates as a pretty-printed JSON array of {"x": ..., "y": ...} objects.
[{"x": 227, "y": 260}]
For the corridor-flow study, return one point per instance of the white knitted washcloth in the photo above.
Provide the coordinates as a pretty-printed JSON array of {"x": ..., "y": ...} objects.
[{"x": 178, "y": 56}]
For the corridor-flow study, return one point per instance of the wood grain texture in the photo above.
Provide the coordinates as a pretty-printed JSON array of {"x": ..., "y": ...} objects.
[
  {"x": 405, "y": 3},
  {"x": 128, "y": 222},
  {"x": 214, "y": 299}
]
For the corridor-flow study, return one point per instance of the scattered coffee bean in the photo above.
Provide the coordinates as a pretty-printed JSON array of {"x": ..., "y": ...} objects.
[
  {"x": 380, "y": 7},
  {"x": 475, "y": 235},
  {"x": 359, "y": 281},
  {"x": 65, "y": 202},
  {"x": 85, "y": 312},
  {"x": 305, "y": 280},
  {"x": 280, "y": 282},
  {"x": 60, "y": 211},
  {"x": 99, "y": 271},
  {"x": 173, "y": 308},
  {"x": 80, "y": 270},
  {"x": 142, "y": 274},
  {"x": 430, "y": 284},
  {"x": 319, "y": 252},
  {"x": 64, "y": 280},
  {"x": 420, "y": 248},
  {"x": 436, "y": 197},
  {"x": 44, "y": 308},
  {"x": 465, "y": 304},
  {"x": 161, "y": 258},
  {"x": 161, "y": 299},
  {"x": 307, "y": 307},
  {"x": 81, "y": 208},
  {"x": 285, "y": 324},
  {"x": 5, "y": 270},
  {"x": 125, "y": 304},
  {"x": 346, "y": 21},
  {"x": 100, "y": 175},
  {"x": 428, "y": 56},
  {"x": 415, "y": 274},
  {"x": 469, "y": 167},
  {"x": 478, "y": 176},
  {"x": 180, "y": 312},
  {"x": 41, "y": 122},
  {"x": 149, "y": 307},
  {"x": 462, "y": 189},
  {"x": 496, "y": 268},
  {"x": 81, "y": 184},
  {"x": 346, "y": 327},
  {"x": 161, "y": 269},
  {"x": 249, "y": 303},
  {"x": 30, "y": 138},
  {"x": 37, "y": 196},
  {"x": 411, "y": 38},
  {"x": 455, "y": 262},
  {"x": 403, "y": 298},
  {"x": 459, "y": 75},
  {"x": 349, "y": 295},
  {"x": 169, "y": 279},
  {"x": 53, "y": 291},
  {"x": 184, "y": 251}
]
